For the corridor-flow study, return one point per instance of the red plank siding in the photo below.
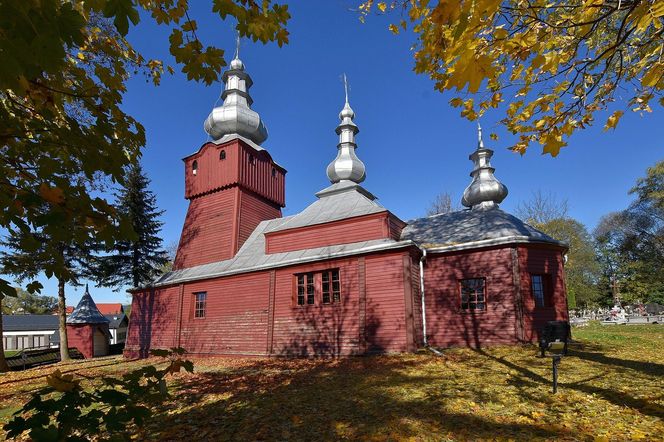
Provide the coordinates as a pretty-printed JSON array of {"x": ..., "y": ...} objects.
[
  {"x": 153, "y": 322},
  {"x": 346, "y": 231},
  {"x": 236, "y": 316},
  {"x": 449, "y": 325},
  {"x": 208, "y": 234},
  {"x": 81, "y": 337},
  {"x": 317, "y": 330},
  {"x": 211, "y": 173},
  {"x": 253, "y": 210},
  {"x": 540, "y": 260},
  {"x": 214, "y": 173},
  {"x": 386, "y": 313}
]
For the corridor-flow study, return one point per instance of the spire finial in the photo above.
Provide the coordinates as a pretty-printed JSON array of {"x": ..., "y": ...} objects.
[
  {"x": 484, "y": 191},
  {"x": 346, "y": 87},
  {"x": 237, "y": 45},
  {"x": 86, "y": 288},
  {"x": 346, "y": 166},
  {"x": 235, "y": 116}
]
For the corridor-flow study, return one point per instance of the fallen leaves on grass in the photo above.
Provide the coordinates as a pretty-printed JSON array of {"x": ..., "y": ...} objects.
[{"x": 610, "y": 388}]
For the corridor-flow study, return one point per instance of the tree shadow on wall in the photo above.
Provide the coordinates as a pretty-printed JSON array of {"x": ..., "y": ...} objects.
[
  {"x": 450, "y": 325},
  {"x": 331, "y": 330},
  {"x": 150, "y": 324}
]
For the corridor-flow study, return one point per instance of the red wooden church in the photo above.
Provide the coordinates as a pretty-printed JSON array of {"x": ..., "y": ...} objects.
[{"x": 345, "y": 276}]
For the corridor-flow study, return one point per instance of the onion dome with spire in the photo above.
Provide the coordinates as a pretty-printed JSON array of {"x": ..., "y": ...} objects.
[
  {"x": 485, "y": 191},
  {"x": 86, "y": 312},
  {"x": 346, "y": 166},
  {"x": 235, "y": 115}
]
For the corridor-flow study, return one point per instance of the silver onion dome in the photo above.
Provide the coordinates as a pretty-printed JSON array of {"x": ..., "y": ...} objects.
[
  {"x": 346, "y": 166},
  {"x": 235, "y": 116},
  {"x": 484, "y": 191}
]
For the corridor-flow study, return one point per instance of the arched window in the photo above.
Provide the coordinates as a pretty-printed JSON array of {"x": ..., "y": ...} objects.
[
  {"x": 194, "y": 167},
  {"x": 252, "y": 160},
  {"x": 222, "y": 155},
  {"x": 274, "y": 172}
]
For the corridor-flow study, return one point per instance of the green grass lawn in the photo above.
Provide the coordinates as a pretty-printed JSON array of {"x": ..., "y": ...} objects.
[
  {"x": 10, "y": 353},
  {"x": 611, "y": 388}
]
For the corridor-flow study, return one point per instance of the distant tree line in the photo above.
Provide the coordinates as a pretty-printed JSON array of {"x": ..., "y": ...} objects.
[{"x": 622, "y": 259}]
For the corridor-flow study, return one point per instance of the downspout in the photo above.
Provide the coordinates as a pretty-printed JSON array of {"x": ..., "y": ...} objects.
[{"x": 424, "y": 308}]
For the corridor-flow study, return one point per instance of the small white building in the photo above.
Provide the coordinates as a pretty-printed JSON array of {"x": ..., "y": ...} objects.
[
  {"x": 21, "y": 332},
  {"x": 118, "y": 327}
]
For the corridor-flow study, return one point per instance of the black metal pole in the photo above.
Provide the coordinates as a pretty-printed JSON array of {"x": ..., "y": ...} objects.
[{"x": 556, "y": 361}]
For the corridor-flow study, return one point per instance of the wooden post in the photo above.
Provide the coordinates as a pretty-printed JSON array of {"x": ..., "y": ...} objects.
[
  {"x": 270, "y": 312},
  {"x": 408, "y": 302},
  {"x": 361, "y": 273},
  {"x": 518, "y": 297}
]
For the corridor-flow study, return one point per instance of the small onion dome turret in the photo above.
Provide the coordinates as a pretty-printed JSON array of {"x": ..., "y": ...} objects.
[
  {"x": 484, "y": 191},
  {"x": 346, "y": 166},
  {"x": 235, "y": 115}
]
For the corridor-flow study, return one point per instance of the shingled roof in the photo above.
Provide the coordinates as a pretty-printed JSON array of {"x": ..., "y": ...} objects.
[
  {"x": 29, "y": 322},
  {"x": 472, "y": 226},
  {"x": 86, "y": 312}
]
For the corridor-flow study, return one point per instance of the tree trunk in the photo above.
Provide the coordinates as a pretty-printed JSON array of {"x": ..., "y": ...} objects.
[
  {"x": 3, "y": 364},
  {"x": 62, "y": 313}
]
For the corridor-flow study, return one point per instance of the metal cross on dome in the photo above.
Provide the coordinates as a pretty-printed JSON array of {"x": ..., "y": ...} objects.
[
  {"x": 237, "y": 44},
  {"x": 345, "y": 86}
]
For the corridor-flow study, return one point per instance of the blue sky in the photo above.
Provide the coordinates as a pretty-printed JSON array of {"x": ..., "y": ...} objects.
[{"x": 414, "y": 145}]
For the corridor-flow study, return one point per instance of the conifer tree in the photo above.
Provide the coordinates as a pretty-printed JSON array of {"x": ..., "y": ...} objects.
[{"x": 138, "y": 260}]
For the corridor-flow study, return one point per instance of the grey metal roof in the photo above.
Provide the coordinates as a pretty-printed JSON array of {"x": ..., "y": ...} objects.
[
  {"x": 29, "y": 322},
  {"x": 339, "y": 201},
  {"x": 342, "y": 200},
  {"x": 86, "y": 312},
  {"x": 471, "y": 226},
  {"x": 115, "y": 321}
]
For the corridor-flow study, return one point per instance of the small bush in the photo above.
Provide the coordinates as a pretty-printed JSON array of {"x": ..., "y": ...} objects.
[{"x": 65, "y": 411}]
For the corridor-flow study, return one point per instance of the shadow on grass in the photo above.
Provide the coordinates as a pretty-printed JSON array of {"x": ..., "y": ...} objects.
[
  {"x": 350, "y": 398},
  {"x": 616, "y": 397},
  {"x": 581, "y": 351}
]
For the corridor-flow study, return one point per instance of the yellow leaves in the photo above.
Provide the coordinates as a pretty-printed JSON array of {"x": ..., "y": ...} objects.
[
  {"x": 552, "y": 142},
  {"x": 62, "y": 383},
  {"x": 456, "y": 102},
  {"x": 53, "y": 195},
  {"x": 382, "y": 6},
  {"x": 446, "y": 12},
  {"x": 80, "y": 56},
  {"x": 653, "y": 76},
  {"x": 612, "y": 121},
  {"x": 468, "y": 110},
  {"x": 500, "y": 34}
]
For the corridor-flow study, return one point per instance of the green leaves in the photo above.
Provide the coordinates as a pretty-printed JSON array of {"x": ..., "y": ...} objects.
[
  {"x": 121, "y": 11},
  {"x": 68, "y": 410},
  {"x": 64, "y": 135}
]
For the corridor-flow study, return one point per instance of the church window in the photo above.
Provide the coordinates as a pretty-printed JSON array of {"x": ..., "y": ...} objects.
[
  {"x": 252, "y": 160},
  {"x": 331, "y": 286},
  {"x": 222, "y": 155},
  {"x": 305, "y": 289},
  {"x": 473, "y": 294},
  {"x": 194, "y": 167},
  {"x": 200, "y": 301},
  {"x": 318, "y": 288},
  {"x": 539, "y": 285},
  {"x": 274, "y": 172}
]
